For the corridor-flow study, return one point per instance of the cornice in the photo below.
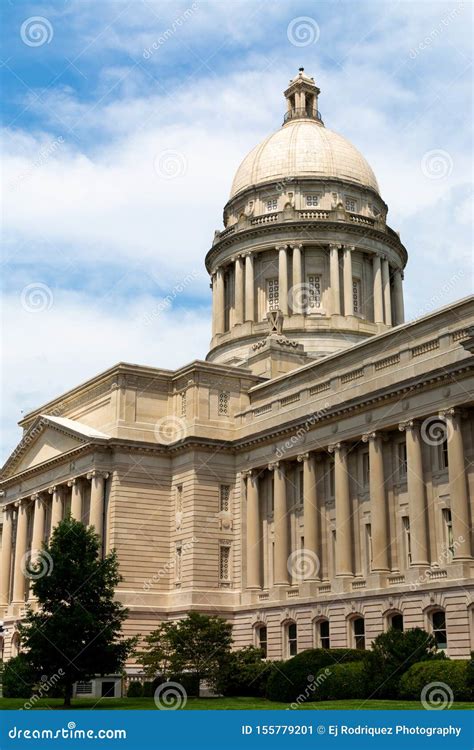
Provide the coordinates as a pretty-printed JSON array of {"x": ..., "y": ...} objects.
[{"x": 389, "y": 237}]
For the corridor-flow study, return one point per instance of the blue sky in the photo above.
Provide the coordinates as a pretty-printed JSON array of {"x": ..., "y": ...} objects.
[{"x": 124, "y": 122}]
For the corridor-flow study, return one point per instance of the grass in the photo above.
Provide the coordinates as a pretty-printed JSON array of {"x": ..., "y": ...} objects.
[{"x": 220, "y": 704}]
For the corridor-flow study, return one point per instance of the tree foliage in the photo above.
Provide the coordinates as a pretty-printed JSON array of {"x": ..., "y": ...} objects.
[
  {"x": 76, "y": 632},
  {"x": 199, "y": 644}
]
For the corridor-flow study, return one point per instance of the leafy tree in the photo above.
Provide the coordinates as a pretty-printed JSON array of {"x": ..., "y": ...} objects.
[
  {"x": 392, "y": 654},
  {"x": 199, "y": 644},
  {"x": 244, "y": 673},
  {"x": 76, "y": 633},
  {"x": 18, "y": 678}
]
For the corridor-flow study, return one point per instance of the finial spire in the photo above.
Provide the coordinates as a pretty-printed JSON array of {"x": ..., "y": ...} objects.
[{"x": 302, "y": 98}]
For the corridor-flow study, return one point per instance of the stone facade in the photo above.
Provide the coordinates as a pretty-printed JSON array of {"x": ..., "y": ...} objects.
[{"x": 313, "y": 480}]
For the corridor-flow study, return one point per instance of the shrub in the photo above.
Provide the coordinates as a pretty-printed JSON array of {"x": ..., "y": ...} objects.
[
  {"x": 392, "y": 654},
  {"x": 295, "y": 677},
  {"x": 18, "y": 678},
  {"x": 341, "y": 681},
  {"x": 188, "y": 680},
  {"x": 135, "y": 690},
  {"x": 245, "y": 673},
  {"x": 453, "y": 674}
]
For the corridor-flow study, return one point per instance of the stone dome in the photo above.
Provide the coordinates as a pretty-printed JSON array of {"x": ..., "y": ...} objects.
[{"x": 303, "y": 148}]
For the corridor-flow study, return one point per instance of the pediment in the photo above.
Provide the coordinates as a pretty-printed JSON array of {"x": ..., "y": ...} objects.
[{"x": 46, "y": 439}]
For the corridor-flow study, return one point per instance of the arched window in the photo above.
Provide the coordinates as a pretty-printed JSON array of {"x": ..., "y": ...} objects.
[
  {"x": 395, "y": 621},
  {"x": 438, "y": 628},
  {"x": 358, "y": 632},
  {"x": 15, "y": 644},
  {"x": 291, "y": 639},
  {"x": 262, "y": 640},
  {"x": 322, "y": 634}
]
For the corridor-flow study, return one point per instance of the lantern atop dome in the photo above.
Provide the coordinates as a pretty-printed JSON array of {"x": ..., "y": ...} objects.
[{"x": 302, "y": 99}]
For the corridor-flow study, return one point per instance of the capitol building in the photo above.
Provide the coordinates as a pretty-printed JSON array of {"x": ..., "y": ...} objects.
[{"x": 311, "y": 480}]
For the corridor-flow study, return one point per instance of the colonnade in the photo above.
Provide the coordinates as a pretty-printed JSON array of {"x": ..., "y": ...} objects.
[
  {"x": 387, "y": 283},
  {"x": 379, "y": 517},
  {"x": 14, "y": 555}
]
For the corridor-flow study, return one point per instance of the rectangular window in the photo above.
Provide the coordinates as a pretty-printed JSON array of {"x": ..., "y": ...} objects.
[
  {"x": 179, "y": 498},
  {"x": 356, "y": 298},
  {"x": 312, "y": 200},
  {"x": 273, "y": 294},
  {"x": 402, "y": 460},
  {"x": 224, "y": 563},
  {"x": 272, "y": 204},
  {"x": 183, "y": 403},
  {"x": 292, "y": 639},
  {"x": 223, "y": 407},
  {"x": 407, "y": 538},
  {"x": 178, "y": 561},
  {"x": 224, "y": 499},
  {"x": 365, "y": 469},
  {"x": 262, "y": 640},
  {"x": 324, "y": 639},
  {"x": 438, "y": 623},
  {"x": 314, "y": 293},
  {"x": 351, "y": 204},
  {"x": 448, "y": 533}
]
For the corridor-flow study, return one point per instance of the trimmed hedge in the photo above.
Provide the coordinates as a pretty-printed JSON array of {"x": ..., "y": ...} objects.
[
  {"x": 135, "y": 690},
  {"x": 342, "y": 681},
  {"x": 454, "y": 674},
  {"x": 190, "y": 683},
  {"x": 245, "y": 673},
  {"x": 296, "y": 677}
]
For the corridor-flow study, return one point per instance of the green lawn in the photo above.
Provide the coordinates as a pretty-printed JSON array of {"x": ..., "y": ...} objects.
[{"x": 227, "y": 704}]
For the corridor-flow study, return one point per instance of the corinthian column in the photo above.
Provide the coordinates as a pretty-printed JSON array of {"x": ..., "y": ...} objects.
[
  {"x": 310, "y": 514},
  {"x": 96, "y": 518},
  {"x": 334, "y": 279},
  {"x": 343, "y": 511},
  {"x": 280, "y": 524},
  {"x": 56, "y": 506},
  {"x": 220, "y": 302},
  {"x": 398, "y": 293},
  {"x": 347, "y": 274},
  {"x": 297, "y": 266},
  {"x": 386, "y": 291},
  {"x": 458, "y": 486},
  {"x": 6, "y": 558},
  {"x": 249, "y": 288},
  {"x": 214, "y": 297},
  {"x": 283, "y": 278},
  {"x": 20, "y": 552},
  {"x": 416, "y": 494},
  {"x": 239, "y": 290},
  {"x": 76, "y": 498},
  {"x": 378, "y": 509},
  {"x": 253, "y": 532},
  {"x": 378, "y": 294}
]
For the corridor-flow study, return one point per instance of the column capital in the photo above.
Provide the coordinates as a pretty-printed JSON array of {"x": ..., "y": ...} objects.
[
  {"x": 336, "y": 447},
  {"x": 72, "y": 482},
  {"x": 97, "y": 474},
  {"x": 348, "y": 248},
  {"x": 248, "y": 254},
  {"x": 7, "y": 508},
  {"x": 281, "y": 247},
  {"x": 410, "y": 424},
  {"x": 451, "y": 412},
  {"x": 54, "y": 488},
  {"x": 301, "y": 457},
  {"x": 296, "y": 246},
  {"x": 248, "y": 473},
  {"x": 374, "y": 435}
]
